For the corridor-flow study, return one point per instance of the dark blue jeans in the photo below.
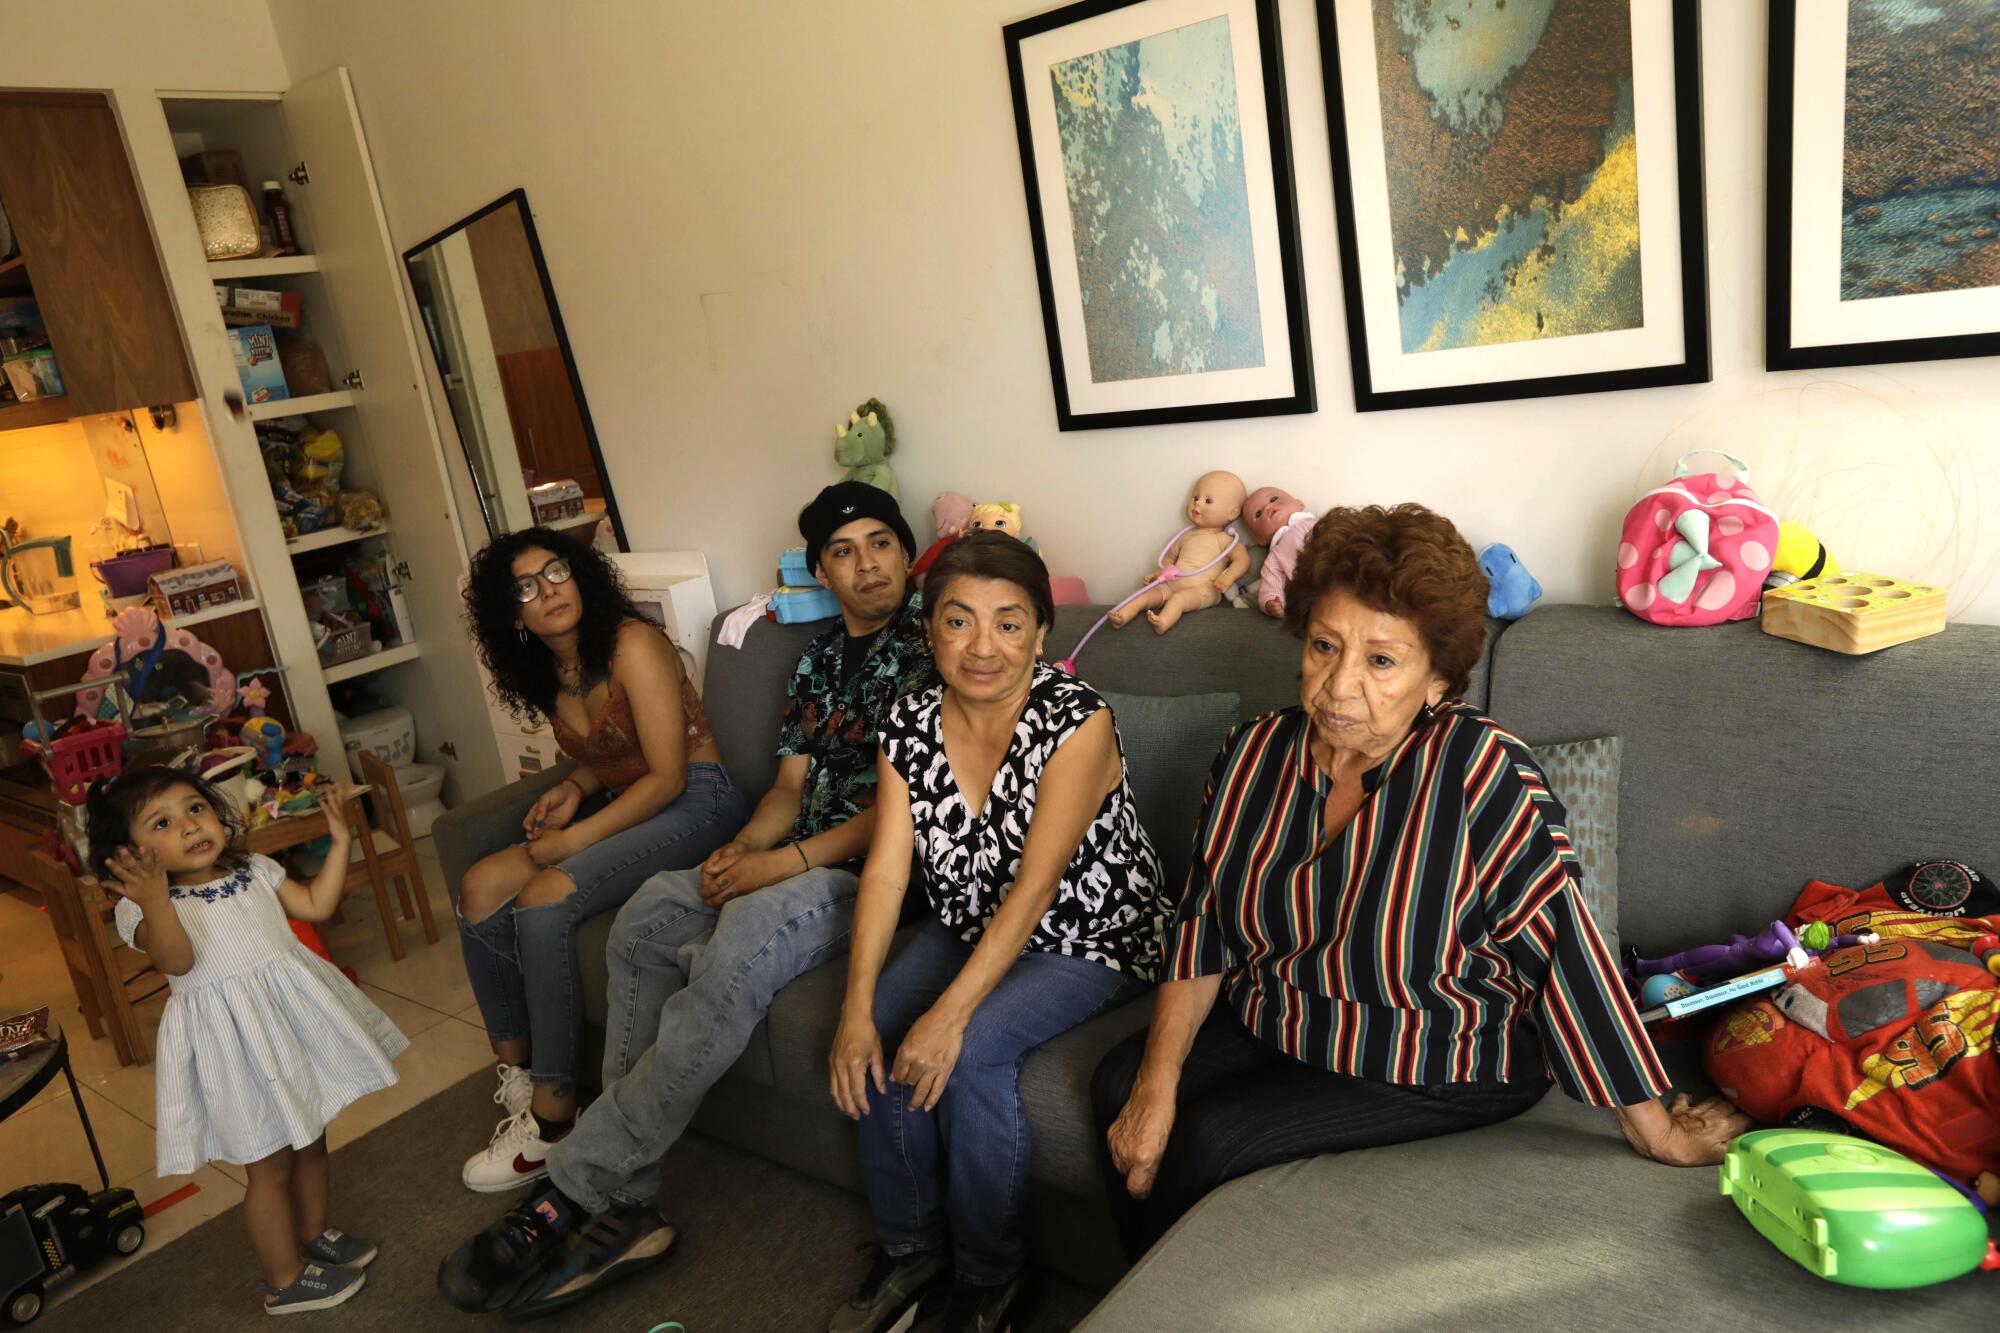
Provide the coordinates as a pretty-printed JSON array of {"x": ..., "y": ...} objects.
[{"x": 966, "y": 1160}]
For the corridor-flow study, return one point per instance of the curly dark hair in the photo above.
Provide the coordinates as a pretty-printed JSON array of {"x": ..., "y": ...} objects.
[
  {"x": 114, "y": 803},
  {"x": 524, "y": 674},
  {"x": 1407, "y": 561}
]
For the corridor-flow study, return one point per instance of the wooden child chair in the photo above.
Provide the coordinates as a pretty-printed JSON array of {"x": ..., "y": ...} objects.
[
  {"x": 393, "y": 845},
  {"x": 101, "y": 968}
]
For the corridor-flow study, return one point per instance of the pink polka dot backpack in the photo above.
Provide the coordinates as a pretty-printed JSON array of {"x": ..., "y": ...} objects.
[{"x": 1695, "y": 551}]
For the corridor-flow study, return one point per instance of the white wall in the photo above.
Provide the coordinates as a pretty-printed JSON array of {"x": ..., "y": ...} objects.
[
  {"x": 759, "y": 213},
  {"x": 99, "y": 45}
]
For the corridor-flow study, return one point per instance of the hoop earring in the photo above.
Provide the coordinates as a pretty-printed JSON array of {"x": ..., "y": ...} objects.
[{"x": 522, "y": 630}]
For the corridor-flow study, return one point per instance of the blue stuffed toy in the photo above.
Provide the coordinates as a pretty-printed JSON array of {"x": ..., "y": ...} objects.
[{"x": 1514, "y": 589}]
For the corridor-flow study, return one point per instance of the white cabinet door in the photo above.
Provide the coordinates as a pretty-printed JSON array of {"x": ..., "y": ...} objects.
[{"x": 399, "y": 447}]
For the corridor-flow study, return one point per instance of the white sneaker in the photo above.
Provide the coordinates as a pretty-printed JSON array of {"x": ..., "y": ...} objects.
[
  {"x": 516, "y": 1090},
  {"x": 517, "y": 1156}
]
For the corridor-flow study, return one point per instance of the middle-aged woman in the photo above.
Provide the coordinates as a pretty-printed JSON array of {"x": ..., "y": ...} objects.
[
  {"x": 562, "y": 640},
  {"x": 1383, "y": 888},
  {"x": 1007, "y": 784}
]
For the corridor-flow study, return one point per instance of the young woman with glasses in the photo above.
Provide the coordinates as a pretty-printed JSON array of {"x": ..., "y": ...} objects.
[{"x": 563, "y": 642}]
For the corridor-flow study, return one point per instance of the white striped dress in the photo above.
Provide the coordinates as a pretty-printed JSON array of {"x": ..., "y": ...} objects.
[{"x": 263, "y": 1041}]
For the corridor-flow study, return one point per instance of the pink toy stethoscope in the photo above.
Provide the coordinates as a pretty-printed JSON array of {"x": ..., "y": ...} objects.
[{"x": 1168, "y": 573}]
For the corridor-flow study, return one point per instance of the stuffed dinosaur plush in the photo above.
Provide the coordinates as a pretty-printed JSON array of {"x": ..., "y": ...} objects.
[{"x": 862, "y": 444}]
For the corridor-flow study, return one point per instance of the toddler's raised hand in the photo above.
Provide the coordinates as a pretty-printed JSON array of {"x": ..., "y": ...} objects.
[
  {"x": 334, "y": 801},
  {"x": 140, "y": 876}
]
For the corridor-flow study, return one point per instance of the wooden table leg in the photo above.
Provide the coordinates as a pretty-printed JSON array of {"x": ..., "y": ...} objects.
[{"x": 374, "y": 871}]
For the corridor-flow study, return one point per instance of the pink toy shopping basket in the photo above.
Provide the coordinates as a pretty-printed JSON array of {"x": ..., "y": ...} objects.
[{"x": 1695, "y": 551}]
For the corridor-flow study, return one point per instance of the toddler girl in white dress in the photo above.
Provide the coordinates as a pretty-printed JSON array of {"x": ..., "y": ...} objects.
[{"x": 262, "y": 1041}]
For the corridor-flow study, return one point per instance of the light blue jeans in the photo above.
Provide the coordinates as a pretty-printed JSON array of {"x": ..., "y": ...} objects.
[
  {"x": 688, "y": 987},
  {"x": 522, "y": 960}
]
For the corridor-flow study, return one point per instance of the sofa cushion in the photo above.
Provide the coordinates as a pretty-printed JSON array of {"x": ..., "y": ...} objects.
[
  {"x": 1548, "y": 1221},
  {"x": 1752, "y": 764},
  {"x": 1169, "y": 742},
  {"x": 743, "y": 692},
  {"x": 1584, "y": 777},
  {"x": 1221, "y": 648}
]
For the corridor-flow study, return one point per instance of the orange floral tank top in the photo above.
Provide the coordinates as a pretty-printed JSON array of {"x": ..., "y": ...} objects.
[{"x": 610, "y": 749}]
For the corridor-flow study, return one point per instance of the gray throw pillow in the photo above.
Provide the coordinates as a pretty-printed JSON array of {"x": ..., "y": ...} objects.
[
  {"x": 1584, "y": 777},
  {"x": 1170, "y": 741}
]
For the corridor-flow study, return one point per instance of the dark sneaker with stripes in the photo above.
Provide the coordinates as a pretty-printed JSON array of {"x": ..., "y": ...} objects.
[
  {"x": 610, "y": 1247},
  {"x": 497, "y": 1265}
]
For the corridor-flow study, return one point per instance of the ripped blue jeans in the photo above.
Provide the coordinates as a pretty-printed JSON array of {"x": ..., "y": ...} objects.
[{"x": 522, "y": 960}]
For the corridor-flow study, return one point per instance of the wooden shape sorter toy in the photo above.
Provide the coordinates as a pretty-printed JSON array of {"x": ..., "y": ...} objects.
[{"x": 1854, "y": 613}]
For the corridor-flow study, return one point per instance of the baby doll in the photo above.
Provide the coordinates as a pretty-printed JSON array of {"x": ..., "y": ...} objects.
[
  {"x": 1279, "y": 520},
  {"x": 1202, "y": 560},
  {"x": 996, "y": 516}
]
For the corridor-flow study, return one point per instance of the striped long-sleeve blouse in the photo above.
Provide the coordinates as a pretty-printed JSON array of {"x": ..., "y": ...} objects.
[{"x": 1410, "y": 947}]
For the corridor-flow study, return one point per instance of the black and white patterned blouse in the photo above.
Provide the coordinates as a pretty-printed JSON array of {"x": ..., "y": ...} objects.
[{"x": 1110, "y": 907}]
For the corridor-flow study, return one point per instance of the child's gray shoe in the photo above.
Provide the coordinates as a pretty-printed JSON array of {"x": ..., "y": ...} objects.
[
  {"x": 336, "y": 1247},
  {"x": 317, "y": 1287}
]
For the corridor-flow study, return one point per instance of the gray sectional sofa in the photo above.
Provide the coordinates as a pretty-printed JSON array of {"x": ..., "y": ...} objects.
[{"x": 1750, "y": 765}]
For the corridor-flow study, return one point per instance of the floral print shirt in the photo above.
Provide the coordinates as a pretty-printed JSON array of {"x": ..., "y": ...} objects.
[{"x": 833, "y": 718}]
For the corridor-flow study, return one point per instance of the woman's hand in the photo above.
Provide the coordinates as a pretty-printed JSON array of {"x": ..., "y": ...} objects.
[
  {"x": 552, "y": 847},
  {"x": 734, "y": 870},
  {"x": 140, "y": 877},
  {"x": 925, "y": 1059},
  {"x": 855, "y": 1059},
  {"x": 1138, "y": 1137},
  {"x": 1685, "y": 1134},
  {"x": 553, "y": 809}
]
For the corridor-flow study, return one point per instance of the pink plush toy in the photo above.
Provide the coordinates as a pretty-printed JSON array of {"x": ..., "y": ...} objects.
[
  {"x": 949, "y": 513},
  {"x": 1203, "y": 558},
  {"x": 1277, "y": 519}
]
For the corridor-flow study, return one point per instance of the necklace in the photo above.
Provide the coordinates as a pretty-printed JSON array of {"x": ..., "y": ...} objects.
[{"x": 573, "y": 681}]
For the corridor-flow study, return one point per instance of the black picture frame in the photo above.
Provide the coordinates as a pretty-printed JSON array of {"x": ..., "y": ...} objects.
[
  {"x": 519, "y": 197},
  {"x": 1694, "y": 367},
  {"x": 1780, "y": 351},
  {"x": 1303, "y": 394}
]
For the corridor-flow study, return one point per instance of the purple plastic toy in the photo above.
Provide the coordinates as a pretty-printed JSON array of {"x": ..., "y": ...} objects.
[{"x": 1744, "y": 953}]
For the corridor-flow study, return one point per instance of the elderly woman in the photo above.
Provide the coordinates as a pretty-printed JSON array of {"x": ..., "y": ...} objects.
[
  {"x": 1046, "y": 908},
  {"x": 1383, "y": 889}
]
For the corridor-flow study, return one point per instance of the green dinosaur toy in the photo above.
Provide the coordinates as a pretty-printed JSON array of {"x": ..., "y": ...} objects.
[{"x": 862, "y": 444}]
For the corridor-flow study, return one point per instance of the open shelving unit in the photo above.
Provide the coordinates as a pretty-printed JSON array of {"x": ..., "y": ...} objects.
[
  {"x": 298, "y": 407},
  {"x": 275, "y": 266},
  {"x": 350, "y": 296},
  {"x": 362, "y": 666},
  {"x": 325, "y": 537}
]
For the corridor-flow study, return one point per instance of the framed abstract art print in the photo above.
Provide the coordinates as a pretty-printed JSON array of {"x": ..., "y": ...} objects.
[
  {"x": 1518, "y": 196},
  {"x": 1157, "y": 159},
  {"x": 1883, "y": 221}
]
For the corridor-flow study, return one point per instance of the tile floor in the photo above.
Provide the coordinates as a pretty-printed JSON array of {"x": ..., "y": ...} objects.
[{"x": 426, "y": 994}]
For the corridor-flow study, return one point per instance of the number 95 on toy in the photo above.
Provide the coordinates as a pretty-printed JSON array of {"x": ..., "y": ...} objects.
[{"x": 1852, "y": 1211}]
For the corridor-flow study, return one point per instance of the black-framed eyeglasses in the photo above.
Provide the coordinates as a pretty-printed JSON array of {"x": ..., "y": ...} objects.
[{"x": 529, "y": 586}]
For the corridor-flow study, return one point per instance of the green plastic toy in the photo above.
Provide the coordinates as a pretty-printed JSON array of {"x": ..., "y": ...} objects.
[{"x": 1852, "y": 1211}]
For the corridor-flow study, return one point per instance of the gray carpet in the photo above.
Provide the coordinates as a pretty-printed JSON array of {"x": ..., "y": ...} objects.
[{"x": 762, "y": 1247}]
